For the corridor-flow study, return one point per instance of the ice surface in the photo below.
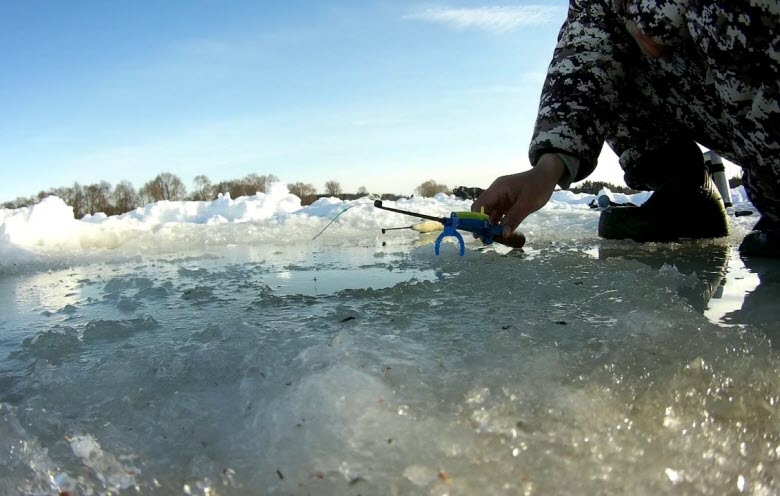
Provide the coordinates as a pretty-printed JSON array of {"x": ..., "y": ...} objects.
[{"x": 218, "y": 357}]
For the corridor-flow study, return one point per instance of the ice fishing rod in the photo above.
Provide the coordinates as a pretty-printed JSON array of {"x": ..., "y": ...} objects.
[
  {"x": 385, "y": 229},
  {"x": 473, "y": 222},
  {"x": 424, "y": 227}
]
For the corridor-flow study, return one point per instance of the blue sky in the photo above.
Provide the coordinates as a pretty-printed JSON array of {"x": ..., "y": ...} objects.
[{"x": 383, "y": 94}]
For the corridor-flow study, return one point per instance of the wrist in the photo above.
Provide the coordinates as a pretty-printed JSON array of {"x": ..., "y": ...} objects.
[{"x": 551, "y": 167}]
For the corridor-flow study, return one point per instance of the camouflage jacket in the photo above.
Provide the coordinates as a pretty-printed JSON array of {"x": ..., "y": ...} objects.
[{"x": 720, "y": 86}]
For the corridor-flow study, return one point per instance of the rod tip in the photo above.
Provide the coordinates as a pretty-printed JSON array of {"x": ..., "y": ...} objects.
[{"x": 377, "y": 203}]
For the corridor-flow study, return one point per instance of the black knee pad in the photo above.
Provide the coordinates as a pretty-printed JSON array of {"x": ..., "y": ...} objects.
[{"x": 679, "y": 160}]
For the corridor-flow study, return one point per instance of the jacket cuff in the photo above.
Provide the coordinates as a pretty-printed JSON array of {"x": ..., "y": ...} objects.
[{"x": 572, "y": 164}]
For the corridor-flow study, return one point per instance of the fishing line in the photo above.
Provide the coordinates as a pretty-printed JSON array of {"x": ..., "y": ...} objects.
[{"x": 334, "y": 220}]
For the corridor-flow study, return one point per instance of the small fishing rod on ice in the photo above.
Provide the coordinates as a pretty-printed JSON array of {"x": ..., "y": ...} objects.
[{"x": 474, "y": 222}]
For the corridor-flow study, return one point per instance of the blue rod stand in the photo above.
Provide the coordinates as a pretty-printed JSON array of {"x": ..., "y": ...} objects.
[{"x": 451, "y": 229}]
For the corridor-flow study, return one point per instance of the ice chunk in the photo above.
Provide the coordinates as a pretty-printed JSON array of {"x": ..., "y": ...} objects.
[
  {"x": 114, "y": 475},
  {"x": 25, "y": 466},
  {"x": 104, "y": 330}
]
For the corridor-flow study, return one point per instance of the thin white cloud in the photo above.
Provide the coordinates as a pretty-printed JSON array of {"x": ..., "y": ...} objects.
[{"x": 495, "y": 19}]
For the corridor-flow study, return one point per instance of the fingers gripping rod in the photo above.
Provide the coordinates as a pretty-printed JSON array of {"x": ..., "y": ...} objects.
[{"x": 477, "y": 223}]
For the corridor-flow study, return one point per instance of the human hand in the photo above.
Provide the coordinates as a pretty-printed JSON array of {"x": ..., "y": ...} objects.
[{"x": 510, "y": 199}]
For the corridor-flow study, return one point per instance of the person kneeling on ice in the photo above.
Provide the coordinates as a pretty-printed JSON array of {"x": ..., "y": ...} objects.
[{"x": 652, "y": 78}]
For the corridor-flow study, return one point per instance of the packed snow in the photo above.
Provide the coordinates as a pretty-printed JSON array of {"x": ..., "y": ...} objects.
[{"x": 216, "y": 347}]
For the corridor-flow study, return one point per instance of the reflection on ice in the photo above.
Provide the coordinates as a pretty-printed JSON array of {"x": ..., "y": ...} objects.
[
  {"x": 761, "y": 282},
  {"x": 731, "y": 295},
  {"x": 714, "y": 279},
  {"x": 703, "y": 263}
]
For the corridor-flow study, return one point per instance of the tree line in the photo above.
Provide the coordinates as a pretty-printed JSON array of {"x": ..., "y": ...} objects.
[{"x": 124, "y": 197}]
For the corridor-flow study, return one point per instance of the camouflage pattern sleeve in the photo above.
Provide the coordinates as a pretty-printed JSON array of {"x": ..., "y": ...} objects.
[
  {"x": 572, "y": 165},
  {"x": 581, "y": 91}
]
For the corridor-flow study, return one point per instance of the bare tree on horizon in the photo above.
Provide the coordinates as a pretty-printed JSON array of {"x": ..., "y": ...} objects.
[
  {"x": 97, "y": 198},
  {"x": 259, "y": 184},
  {"x": 333, "y": 188},
  {"x": 431, "y": 188},
  {"x": 302, "y": 190},
  {"x": 165, "y": 186},
  {"x": 203, "y": 190},
  {"x": 125, "y": 197}
]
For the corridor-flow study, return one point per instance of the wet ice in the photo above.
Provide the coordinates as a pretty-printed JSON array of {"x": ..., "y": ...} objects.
[{"x": 349, "y": 368}]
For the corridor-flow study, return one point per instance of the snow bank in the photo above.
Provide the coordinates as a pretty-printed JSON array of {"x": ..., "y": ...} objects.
[
  {"x": 222, "y": 210},
  {"x": 47, "y": 225},
  {"x": 49, "y": 229}
]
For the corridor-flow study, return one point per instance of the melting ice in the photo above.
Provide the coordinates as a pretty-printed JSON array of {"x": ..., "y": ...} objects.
[{"x": 215, "y": 348}]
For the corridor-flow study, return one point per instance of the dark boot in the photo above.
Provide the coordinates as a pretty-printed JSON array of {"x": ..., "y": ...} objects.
[
  {"x": 671, "y": 213},
  {"x": 763, "y": 241},
  {"x": 685, "y": 204}
]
